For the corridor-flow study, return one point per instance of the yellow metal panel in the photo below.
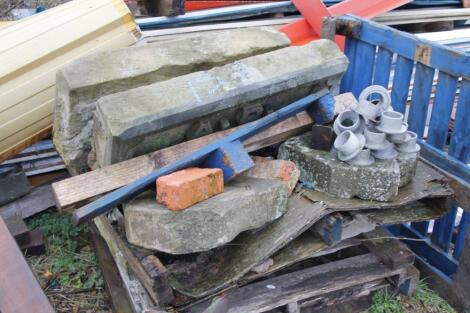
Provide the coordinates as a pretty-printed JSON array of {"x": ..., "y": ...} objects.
[{"x": 32, "y": 50}]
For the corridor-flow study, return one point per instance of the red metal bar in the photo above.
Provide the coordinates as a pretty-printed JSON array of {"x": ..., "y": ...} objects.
[{"x": 308, "y": 29}]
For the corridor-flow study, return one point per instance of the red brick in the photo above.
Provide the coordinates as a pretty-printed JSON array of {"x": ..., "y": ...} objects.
[
  {"x": 283, "y": 170},
  {"x": 184, "y": 188}
]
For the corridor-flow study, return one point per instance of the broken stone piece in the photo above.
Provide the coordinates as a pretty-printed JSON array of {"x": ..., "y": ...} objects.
[
  {"x": 247, "y": 203},
  {"x": 325, "y": 173},
  {"x": 184, "y": 188},
  {"x": 282, "y": 170},
  {"x": 407, "y": 163},
  {"x": 84, "y": 81},
  {"x": 148, "y": 118}
]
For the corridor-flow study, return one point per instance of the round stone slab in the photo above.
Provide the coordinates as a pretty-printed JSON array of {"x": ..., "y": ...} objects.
[
  {"x": 246, "y": 203},
  {"x": 326, "y": 173}
]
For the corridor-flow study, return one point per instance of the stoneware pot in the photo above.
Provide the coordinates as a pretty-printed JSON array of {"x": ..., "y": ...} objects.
[
  {"x": 375, "y": 139},
  {"x": 349, "y": 120},
  {"x": 371, "y": 109},
  {"x": 391, "y": 123},
  {"x": 348, "y": 145},
  {"x": 386, "y": 154},
  {"x": 409, "y": 145},
  {"x": 364, "y": 158}
]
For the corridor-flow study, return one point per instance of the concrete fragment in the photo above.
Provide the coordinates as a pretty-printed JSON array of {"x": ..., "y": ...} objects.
[
  {"x": 247, "y": 203},
  {"x": 84, "y": 81},
  {"x": 325, "y": 173},
  {"x": 184, "y": 188},
  {"x": 149, "y": 118},
  {"x": 282, "y": 170},
  {"x": 408, "y": 163}
]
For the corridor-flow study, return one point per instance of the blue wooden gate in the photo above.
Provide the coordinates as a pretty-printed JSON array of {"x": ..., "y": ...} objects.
[{"x": 430, "y": 84}]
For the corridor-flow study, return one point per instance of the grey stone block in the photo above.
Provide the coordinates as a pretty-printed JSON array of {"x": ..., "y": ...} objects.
[
  {"x": 84, "y": 81},
  {"x": 149, "y": 118},
  {"x": 407, "y": 163},
  {"x": 246, "y": 203},
  {"x": 326, "y": 173}
]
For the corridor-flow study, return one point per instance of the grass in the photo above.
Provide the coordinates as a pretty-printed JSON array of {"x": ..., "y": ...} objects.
[
  {"x": 424, "y": 300},
  {"x": 68, "y": 272}
]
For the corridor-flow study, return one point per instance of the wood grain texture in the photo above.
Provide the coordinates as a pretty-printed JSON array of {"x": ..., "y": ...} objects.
[
  {"x": 300, "y": 285},
  {"x": 19, "y": 290}
]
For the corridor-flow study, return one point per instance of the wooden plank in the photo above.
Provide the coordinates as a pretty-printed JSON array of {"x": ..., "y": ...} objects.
[
  {"x": 423, "y": 80},
  {"x": 401, "y": 83},
  {"x": 278, "y": 291},
  {"x": 225, "y": 266},
  {"x": 18, "y": 229},
  {"x": 39, "y": 199},
  {"x": 195, "y": 158},
  {"x": 441, "y": 110},
  {"x": 162, "y": 295},
  {"x": 363, "y": 67},
  {"x": 119, "y": 299},
  {"x": 383, "y": 66},
  {"x": 389, "y": 251},
  {"x": 19, "y": 290},
  {"x": 459, "y": 146}
]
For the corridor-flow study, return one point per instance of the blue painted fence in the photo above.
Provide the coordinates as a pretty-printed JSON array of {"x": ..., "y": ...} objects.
[{"x": 410, "y": 67}]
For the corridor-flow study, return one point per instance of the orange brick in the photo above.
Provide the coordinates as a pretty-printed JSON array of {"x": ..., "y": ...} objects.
[{"x": 184, "y": 188}]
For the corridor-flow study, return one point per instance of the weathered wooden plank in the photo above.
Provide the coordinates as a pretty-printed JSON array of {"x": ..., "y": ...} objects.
[
  {"x": 303, "y": 284},
  {"x": 382, "y": 67},
  {"x": 39, "y": 199},
  {"x": 444, "y": 229},
  {"x": 459, "y": 146},
  {"x": 18, "y": 229},
  {"x": 19, "y": 290},
  {"x": 423, "y": 80},
  {"x": 391, "y": 252},
  {"x": 162, "y": 296},
  {"x": 363, "y": 67},
  {"x": 441, "y": 110},
  {"x": 401, "y": 83},
  {"x": 114, "y": 287},
  {"x": 227, "y": 265}
]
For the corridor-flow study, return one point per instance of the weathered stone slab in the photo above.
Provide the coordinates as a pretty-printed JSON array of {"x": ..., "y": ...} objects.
[
  {"x": 81, "y": 83},
  {"x": 326, "y": 173},
  {"x": 149, "y": 118},
  {"x": 407, "y": 163},
  {"x": 247, "y": 203}
]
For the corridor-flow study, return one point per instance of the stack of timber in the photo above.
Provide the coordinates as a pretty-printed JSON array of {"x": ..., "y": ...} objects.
[{"x": 36, "y": 48}]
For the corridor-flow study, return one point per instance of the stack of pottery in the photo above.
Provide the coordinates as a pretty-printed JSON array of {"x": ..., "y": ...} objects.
[{"x": 372, "y": 130}]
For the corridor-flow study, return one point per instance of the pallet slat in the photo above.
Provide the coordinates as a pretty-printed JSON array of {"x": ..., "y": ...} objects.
[
  {"x": 382, "y": 67},
  {"x": 442, "y": 110},
  {"x": 460, "y": 143},
  {"x": 423, "y": 80},
  {"x": 363, "y": 67},
  {"x": 401, "y": 83}
]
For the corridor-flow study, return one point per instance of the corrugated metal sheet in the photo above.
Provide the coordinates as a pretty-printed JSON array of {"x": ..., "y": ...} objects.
[{"x": 33, "y": 49}]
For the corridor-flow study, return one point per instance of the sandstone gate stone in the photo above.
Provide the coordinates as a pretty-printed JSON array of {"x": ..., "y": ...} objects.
[
  {"x": 246, "y": 203},
  {"x": 144, "y": 119},
  {"x": 83, "y": 82}
]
